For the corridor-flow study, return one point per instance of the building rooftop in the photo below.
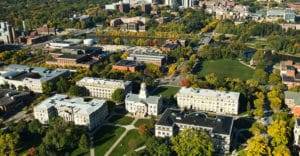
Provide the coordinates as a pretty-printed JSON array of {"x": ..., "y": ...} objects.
[
  {"x": 209, "y": 92},
  {"x": 149, "y": 99},
  {"x": 78, "y": 104},
  {"x": 220, "y": 124},
  {"x": 127, "y": 63},
  {"x": 23, "y": 72},
  {"x": 104, "y": 82},
  {"x": 8, "y": 97},
  {"x": 152, "y": 56},
  {"x": 293, "y": 95}
]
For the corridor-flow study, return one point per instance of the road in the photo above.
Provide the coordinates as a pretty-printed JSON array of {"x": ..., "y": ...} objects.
[{"x": 174, "y": 79}]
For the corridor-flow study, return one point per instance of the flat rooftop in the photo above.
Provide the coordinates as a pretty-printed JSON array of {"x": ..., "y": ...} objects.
[
  {"x": 104, "y": 82},
  {"x": 220, "y": 124},
  {"x": 209, "y": 93}
]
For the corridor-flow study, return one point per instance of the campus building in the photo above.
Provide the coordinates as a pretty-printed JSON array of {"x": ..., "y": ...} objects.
[
  {"x": 289, "y": 72},
  {"x": 292, "y": 100},
  {"x": 127, "y": 65},
  {"x": 221, "y": 102},
  {"x": 187, "y": 3},
  {"x": 157, "y": 59},
  {"x": 83, "y": 57},
  {"x": 30, "y": 78},
  {"x": 286, "y": 14},
  {"x": 11, "y": 99},
  {"x": 7, "y": 33},
  {"x": 142, "y": 104},
  {"x": 90, "y": 114},
  {"x": 103, "y": 88},
  {"x": 219, "y": 128}
]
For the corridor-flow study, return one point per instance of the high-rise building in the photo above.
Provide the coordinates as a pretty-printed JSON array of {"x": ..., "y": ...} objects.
[{"x": 7, "y": 33}]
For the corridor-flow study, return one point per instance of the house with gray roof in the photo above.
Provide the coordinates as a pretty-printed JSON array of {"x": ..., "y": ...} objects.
[
  {"x": 142, "y": 104},
  {"x": 88, "y": 113},
  {"x": 219, "y": 128}
]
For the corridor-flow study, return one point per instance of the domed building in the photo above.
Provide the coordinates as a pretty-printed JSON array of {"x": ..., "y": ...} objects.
[{"x": 142, "y": 104}]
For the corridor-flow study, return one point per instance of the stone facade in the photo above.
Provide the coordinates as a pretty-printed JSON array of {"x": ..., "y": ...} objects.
[
  {"x": 142, "y": 104},
  {"x": 220, "y": 102},
  {"x": 90, "y": 114},
  {"x": 103, "y": 88}
]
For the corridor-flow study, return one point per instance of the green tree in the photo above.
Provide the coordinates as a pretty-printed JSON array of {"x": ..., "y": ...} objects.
[
  {"x": 274, "y": 78},
  {"x": 117, "y": 41},
  {"x": 62, "y": 85},
  {"x": 47, "y": 87},
  {"x": 77, "y": 91},
  {"x": 118, "y": 95},
  {"x": 156, "y": 147},
  {"x": 258, "y": 145},
  {"x": 260, "y": 75},
  {"x": 83, "y": 143},
  {"x": 280, "y": 132},
  {"x": 152, "y": 70},
  {"x": 192, "y": 142},
  {"x": 35, "y": 126},
  {"x": 211, "y": 78},
  {"x": 275, "y": 99}
]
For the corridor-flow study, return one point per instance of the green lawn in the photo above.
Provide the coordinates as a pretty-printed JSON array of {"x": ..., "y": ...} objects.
[
  {"x": 105, "y": 138},
  {"x": 78, "y": 152},
  {"x": 226, "y": 68},
  {"x": 132, "y": 136},
  {"x": 147, "y": 122},
  {"x": 166, "y": 91},
  {"x": 120, "y": 119}
]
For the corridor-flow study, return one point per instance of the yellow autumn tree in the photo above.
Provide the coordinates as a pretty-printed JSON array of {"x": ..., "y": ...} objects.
[{"x": 258, "y": 145}]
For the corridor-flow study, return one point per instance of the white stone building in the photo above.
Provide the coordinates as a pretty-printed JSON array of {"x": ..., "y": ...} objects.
[
  {"x": 220, "y": 128},
  {"x": 7, "y": 33},
  {"x": 90, "y": 114},
  {"x": 30, "y": 77},
  {"x": 187, "y": 3},
  {"x": 103, "y": 88},
  {"x": 221, "y": 102},
  {"x": 142, "y": 104}
]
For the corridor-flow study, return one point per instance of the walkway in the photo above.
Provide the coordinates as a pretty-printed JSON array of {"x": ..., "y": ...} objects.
[
  {"x": 242, "y": 62},
  {"x": 127, "y": 128}
]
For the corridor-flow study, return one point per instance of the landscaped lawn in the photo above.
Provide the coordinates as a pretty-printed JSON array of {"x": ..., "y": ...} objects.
[
  {"x": 147, "y": 122},
  {"x": 120, "y": 119},
  {"x": 78, "y": 152},
  {"x": 226, "y": 68},
  {"x": 166, "y": 91},
  {"x": 122, "y": 148},
  {"x": 105, "y": 138}
]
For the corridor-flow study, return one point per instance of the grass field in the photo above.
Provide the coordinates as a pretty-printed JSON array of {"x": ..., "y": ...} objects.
[
  {"x": 105, "y": 138},
  {"x": 121, "y": 120},
  {"x": 147, "y": 122},
  {"x": 166, "y": 91},
  {"x": 226, "y": 68},
  {"x": 132, "y": 136}
]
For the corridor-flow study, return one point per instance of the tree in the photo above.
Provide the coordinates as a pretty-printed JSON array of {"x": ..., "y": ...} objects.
[
  {"x": 118, "y": 95},
  {"x": 260, "y": 75},
  {"x": 281, "y": 151},
  {"x": 35, "y": 126},
  {"x": 192, "y": 142},
  {"x": 77, "y": 91},
  {"x": 275, "y": 99},
  {"x": 258, "y": 145},
  {"x": 143, "y": 129},
  {"x": 47, "y": 87},
  {"x": 275, "y": 78},
  {"x": 280, "y": 132},
  {"x": 257, "y": 128},
  {"x": 117, "y": 41},
  {"x": 172, "y": 69},
  {"x": 32, "y": 151},
  {"x": 83, "y": 143},
  {"x": 156, "y": 147},
  {"x": 211, "y": 78},
  {"x": 152, "y": 70},
  {"x": 62, "y": 85}
]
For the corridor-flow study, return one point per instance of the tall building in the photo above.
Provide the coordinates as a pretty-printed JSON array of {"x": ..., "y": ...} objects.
[
  {"x": 90, "y": 114},
  {"x": 7, "y": 33},
  {"x": 187, "y": 3},
  {"x": 142, "y": 104},
  {"x": 219, "y": 128},
  {"x": 221, "y": 102},
  {"x": 103, "y": 88},
  {"x": 32, "y": 78}
]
